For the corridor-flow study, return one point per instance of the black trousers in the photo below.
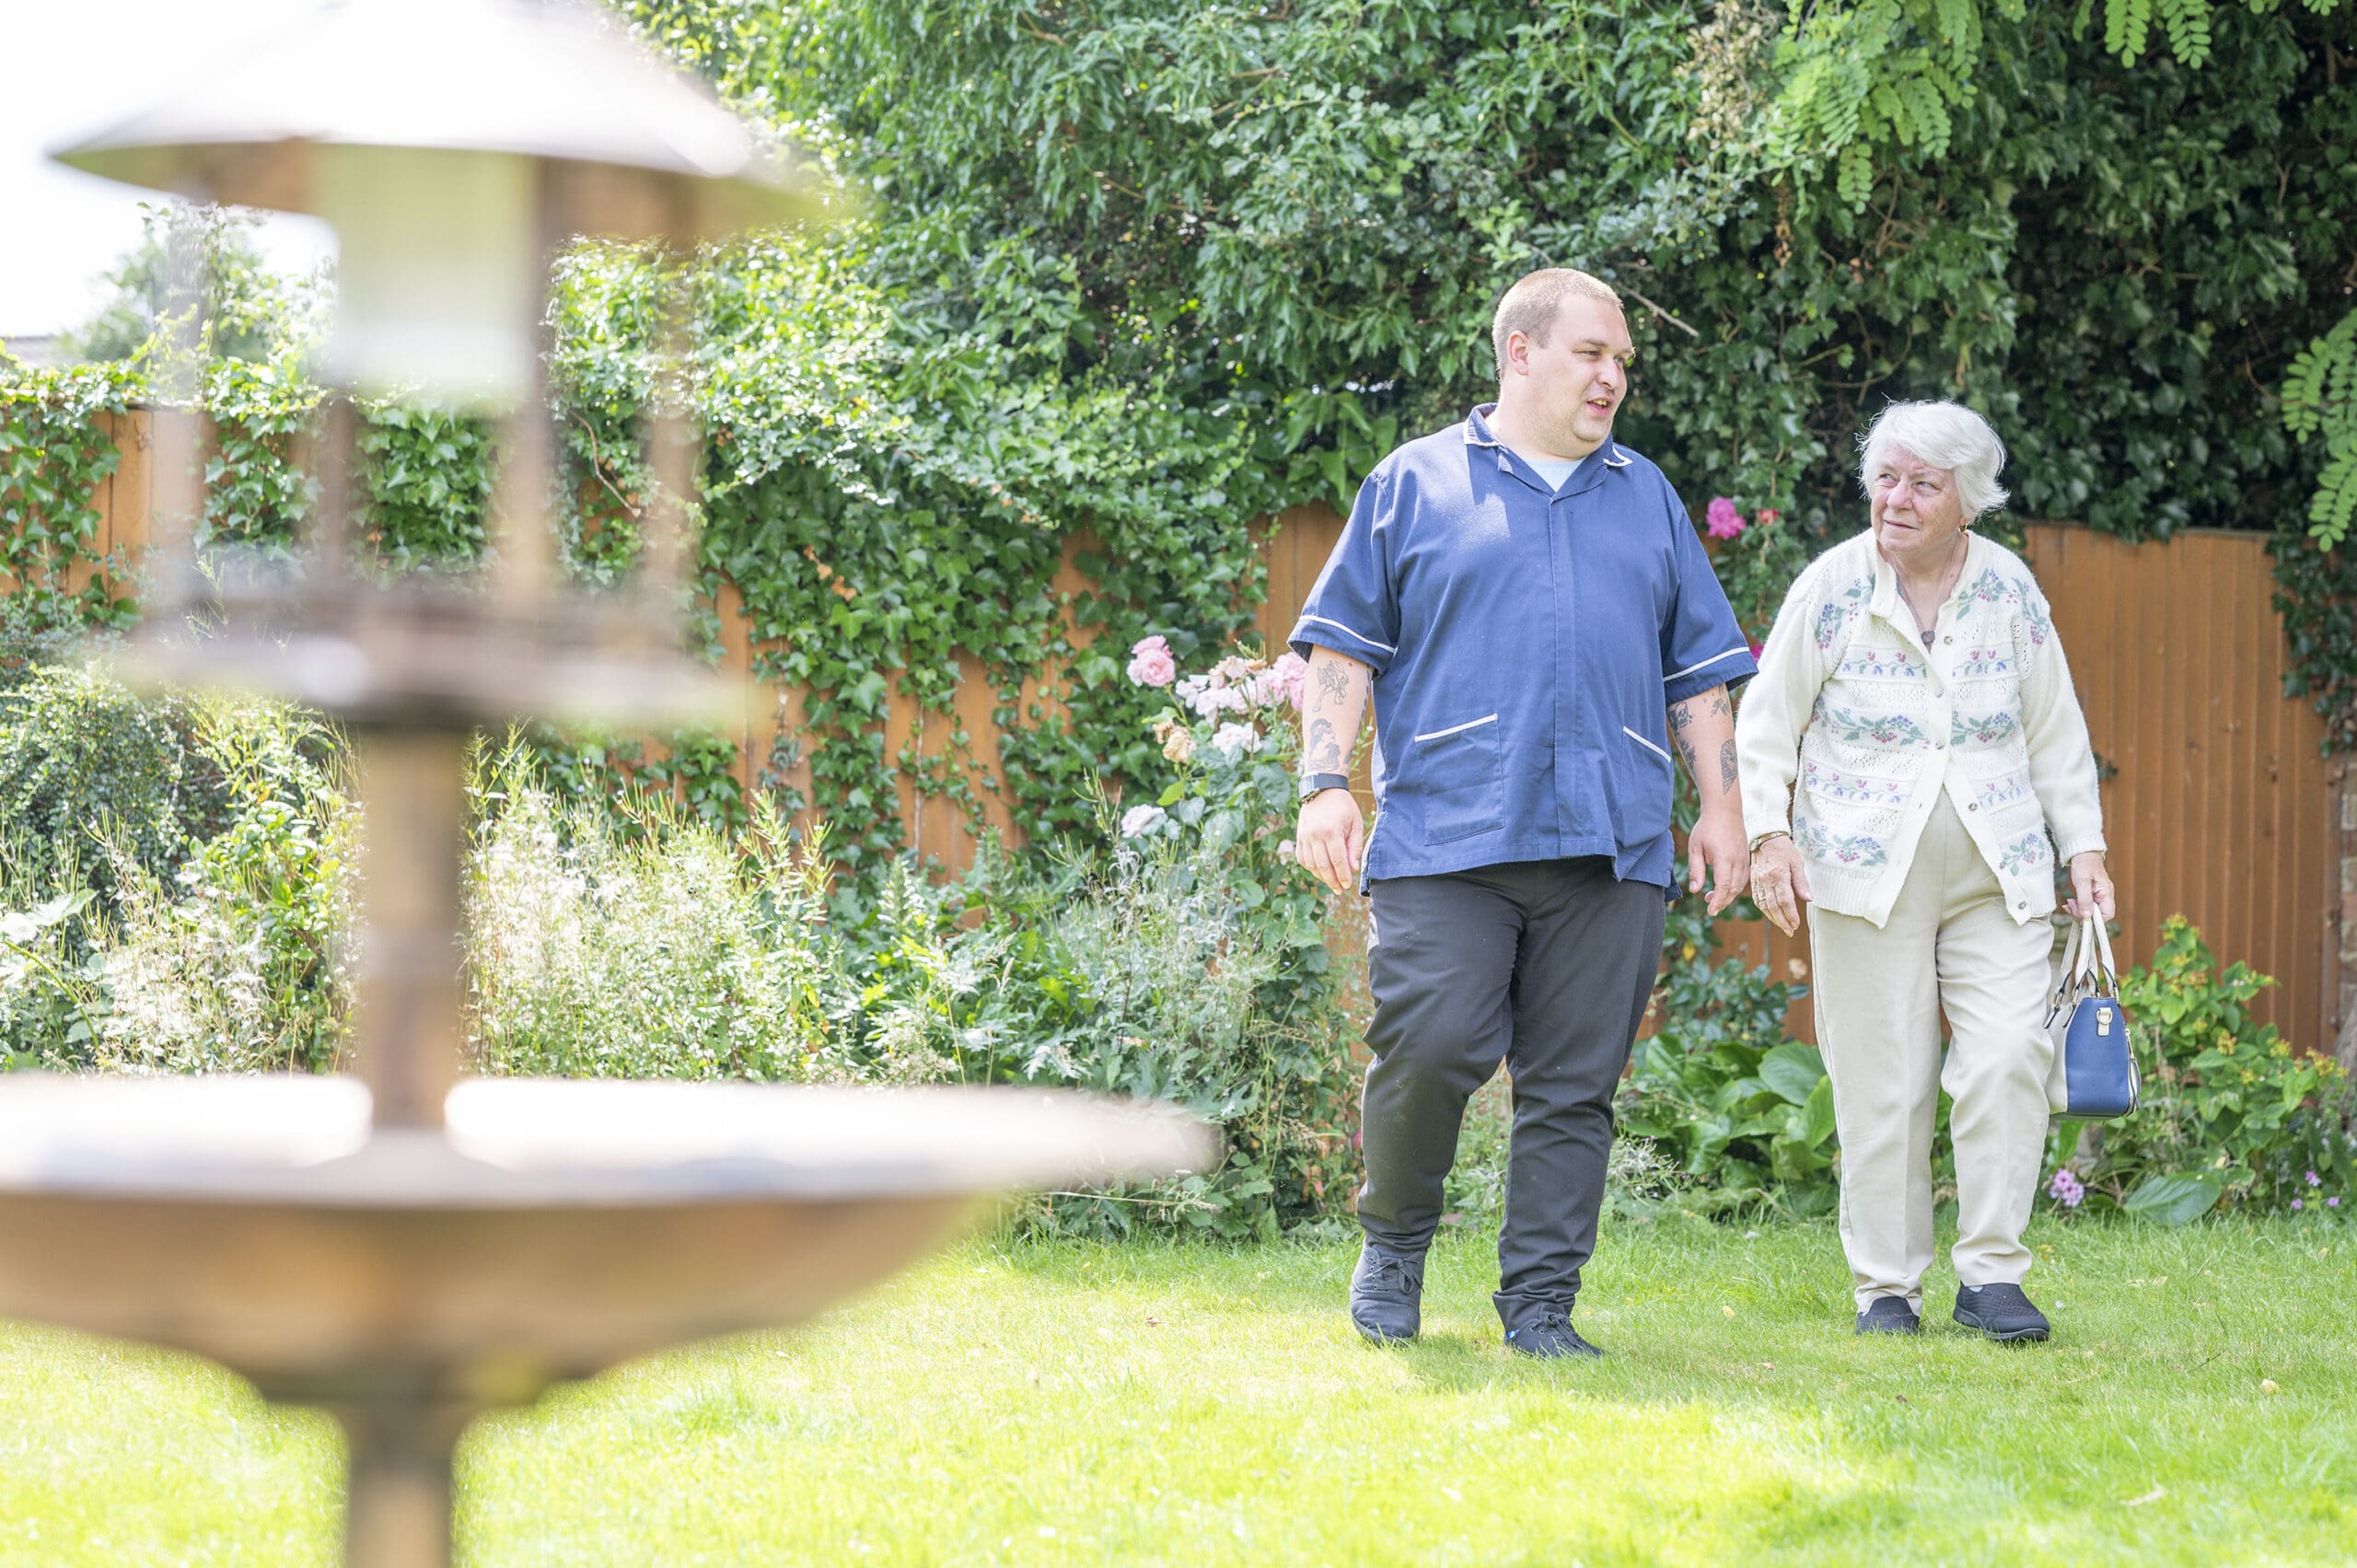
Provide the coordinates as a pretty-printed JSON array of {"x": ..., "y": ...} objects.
[{"x": 1545, "y": 966}]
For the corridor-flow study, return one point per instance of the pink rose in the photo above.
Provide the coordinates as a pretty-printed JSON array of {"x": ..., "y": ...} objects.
[
  {"x": 1284, "y": 678},
  {"x": 1150, "y": 663},
  {"x": 1755, "y": 648},
  {"x": 1724, "y": 520},
  {"x": 1765, "y": 518}
]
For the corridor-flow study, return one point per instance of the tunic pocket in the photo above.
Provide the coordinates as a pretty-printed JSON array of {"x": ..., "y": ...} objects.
[
  {"x": 1460, "y": 773},
  {"x": 1647, "y": 785}
]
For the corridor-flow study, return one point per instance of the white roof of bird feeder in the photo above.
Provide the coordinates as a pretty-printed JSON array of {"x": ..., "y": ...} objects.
[{"x": 633, "y": 148}]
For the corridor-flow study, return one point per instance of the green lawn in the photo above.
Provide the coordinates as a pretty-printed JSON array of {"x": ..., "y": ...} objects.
[{"x": 1082, "y": 1404}]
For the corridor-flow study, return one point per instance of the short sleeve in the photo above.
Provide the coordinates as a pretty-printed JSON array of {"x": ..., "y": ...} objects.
[
  {"x": 1354, "y": 607},
  {"x": 1702, "y": 643}
]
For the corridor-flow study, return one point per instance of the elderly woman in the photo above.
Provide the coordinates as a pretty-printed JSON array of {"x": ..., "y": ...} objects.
[{"x": 1915, "y": 691}]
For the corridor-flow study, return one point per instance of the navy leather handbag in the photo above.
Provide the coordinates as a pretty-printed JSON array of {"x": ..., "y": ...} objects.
[{"x": 2094, "y": 1073}]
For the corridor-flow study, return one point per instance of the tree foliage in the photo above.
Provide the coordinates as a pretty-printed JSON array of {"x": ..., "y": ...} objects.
[{"x": 2111, "y": 228}]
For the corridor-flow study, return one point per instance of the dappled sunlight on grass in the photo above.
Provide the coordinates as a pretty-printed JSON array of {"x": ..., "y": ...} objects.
[{"x": 1075, "y": 1403}]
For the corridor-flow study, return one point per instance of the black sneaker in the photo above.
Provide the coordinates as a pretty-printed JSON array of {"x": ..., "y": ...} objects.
[
  {"x": 1890, "y": 1315},
  {"x": 1386, "y": 1294},
  {"x": 1550, "y": 1335},
  {"x": 2001, "y": 1312}
]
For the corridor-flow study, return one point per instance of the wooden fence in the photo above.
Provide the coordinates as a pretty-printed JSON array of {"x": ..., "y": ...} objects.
[{"x": 2218, "y": 804}]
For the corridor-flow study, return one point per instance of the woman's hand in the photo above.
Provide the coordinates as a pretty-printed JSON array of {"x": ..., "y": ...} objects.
[
  {"x": 1780, "y": 882},
  {"x": 2091, "y": 885}
]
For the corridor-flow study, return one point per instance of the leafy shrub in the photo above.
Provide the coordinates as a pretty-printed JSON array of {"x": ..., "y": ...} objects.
[
  {"x": 1640, "y": 1181},
  {"x": 79, "y": 753},
  {"x": 2231, "y": 1116},
  {"x": 49, "y": 981},
  {"x": 637, "y": 941},
  {"x": 234, "y": 962},
  {"x": 1745, "y": 1114},
  {"x": 1182, "y": 953}
]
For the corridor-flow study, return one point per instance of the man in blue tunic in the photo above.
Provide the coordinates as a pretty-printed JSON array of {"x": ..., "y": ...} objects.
[{"x": 1527, "y": 604}]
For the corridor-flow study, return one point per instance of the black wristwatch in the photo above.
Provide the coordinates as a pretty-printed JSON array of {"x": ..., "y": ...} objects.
[{"x": 1318, "y": 783}]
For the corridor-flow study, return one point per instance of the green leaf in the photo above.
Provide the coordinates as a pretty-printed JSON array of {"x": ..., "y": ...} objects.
[
  {"x": 1793, "y": 1070},
  {"x": 1817, "y": 1116},
  {"x": 2175, "y": 1199}
]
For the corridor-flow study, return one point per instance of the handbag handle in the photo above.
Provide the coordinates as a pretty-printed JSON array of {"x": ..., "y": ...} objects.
[
  {"x": 2105, "y": 972},
  {"x": 2087, "y": 961},
  {"x": 2067, "y": 980}
]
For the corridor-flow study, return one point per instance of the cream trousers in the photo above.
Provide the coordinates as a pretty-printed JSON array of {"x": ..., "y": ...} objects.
[{"x": 1950, "y": 946}]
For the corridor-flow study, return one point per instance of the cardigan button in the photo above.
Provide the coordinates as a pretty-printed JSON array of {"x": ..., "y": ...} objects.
[{"x": 1973, "y": 806}]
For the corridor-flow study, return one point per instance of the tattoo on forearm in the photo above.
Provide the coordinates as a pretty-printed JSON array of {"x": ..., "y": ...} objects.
[
  {"x": 1690, "y": 723},
  {"x": 1324, "y": 753},
  {"x": 1331, "y": 717}
]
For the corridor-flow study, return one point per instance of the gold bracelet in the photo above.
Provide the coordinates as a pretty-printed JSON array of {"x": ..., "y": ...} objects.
[{"x": 1779, "y": 834}]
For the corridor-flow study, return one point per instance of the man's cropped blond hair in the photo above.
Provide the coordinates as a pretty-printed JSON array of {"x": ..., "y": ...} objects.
[{"x": 1531, "y": 306}]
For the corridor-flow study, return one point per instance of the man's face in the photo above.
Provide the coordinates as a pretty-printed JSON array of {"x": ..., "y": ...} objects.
[{"x": 1570, "y": 386}]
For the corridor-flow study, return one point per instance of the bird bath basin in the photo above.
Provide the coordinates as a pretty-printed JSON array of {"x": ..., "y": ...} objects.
[{"x": 408, "y": 1278}]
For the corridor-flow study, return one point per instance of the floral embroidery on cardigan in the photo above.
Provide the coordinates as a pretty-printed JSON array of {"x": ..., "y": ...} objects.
[
  {"x": 1984, "y": 661},
  {"x": 2003, "y": 790},
  {"x": 1858, "y": 850},
  {"x": 1856, "y": 789},
  {"x": 2022, "y": 853},
  {"x": 1882, "y": 729},
  {"x": 1987, "y": 589},
  {"x": 1835, "y": 614},
  {"x": 2034, "y": 619},
  {"x": 1987, "y": 730},
  {"x": 1892, "y": 664}
]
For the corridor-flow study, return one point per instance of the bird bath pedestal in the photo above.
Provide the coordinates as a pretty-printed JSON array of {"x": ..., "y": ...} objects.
[{"x": 404, "y": 1247}]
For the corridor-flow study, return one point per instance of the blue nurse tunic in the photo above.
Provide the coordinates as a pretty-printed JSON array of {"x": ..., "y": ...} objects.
[{"x": 1525, "y": 642}]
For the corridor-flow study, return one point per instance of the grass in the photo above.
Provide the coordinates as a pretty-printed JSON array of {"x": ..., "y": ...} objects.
[{"x": 1070, "y": 1403}]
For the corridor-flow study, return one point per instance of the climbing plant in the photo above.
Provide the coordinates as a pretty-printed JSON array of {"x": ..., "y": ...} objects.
[{"x": 1114, "y": 281}]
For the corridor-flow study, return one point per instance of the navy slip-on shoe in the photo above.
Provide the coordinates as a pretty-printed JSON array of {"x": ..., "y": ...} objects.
[
  {"x": 2001, "y": 1312},
  {"x": 1890, "y": 1315},
  {"x": 1386, "y": 1294}
]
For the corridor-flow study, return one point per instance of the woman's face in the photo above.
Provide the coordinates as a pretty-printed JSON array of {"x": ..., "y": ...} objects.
[{"x": 1915, "y": 507}]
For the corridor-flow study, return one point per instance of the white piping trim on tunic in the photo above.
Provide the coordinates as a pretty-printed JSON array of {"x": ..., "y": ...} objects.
[
  {"x": 1705, "y": 663},
  {"x": 1618, "y": 460},
  {"x": 1455, "y": 728},
  {"x": 1647, "y": 744},
  {"x": 1362, "y": 636}
]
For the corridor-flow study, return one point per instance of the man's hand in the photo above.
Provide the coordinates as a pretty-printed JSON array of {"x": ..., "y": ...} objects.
[
  {"x": 1717, "y": 843},
  {"x": 1780, "y": 882},
  {"x": 1328, "y": 837},
  {"x": 2091, "y": 885}
]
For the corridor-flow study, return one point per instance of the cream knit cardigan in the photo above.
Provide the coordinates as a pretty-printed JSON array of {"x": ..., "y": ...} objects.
[{"x": 1983, "y": 708}]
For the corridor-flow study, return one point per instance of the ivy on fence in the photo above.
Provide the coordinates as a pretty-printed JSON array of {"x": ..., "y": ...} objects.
[{"x": 1127, "y": 280}]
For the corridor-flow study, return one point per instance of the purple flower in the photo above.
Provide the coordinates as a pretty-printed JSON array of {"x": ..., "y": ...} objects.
[
  {"x": 1724, "y": 521},
  {"x": 1150, "y": 663},
  {"x": 2314, "y": 1181},
  {"x": 2297, "y": 1205},
  {"x": 2332, "y": 1203},
  {"x": 2066, "y": 1188}
]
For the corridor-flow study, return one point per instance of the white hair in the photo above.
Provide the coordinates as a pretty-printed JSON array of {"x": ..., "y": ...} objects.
[{"x": 1947, "y": 435}]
